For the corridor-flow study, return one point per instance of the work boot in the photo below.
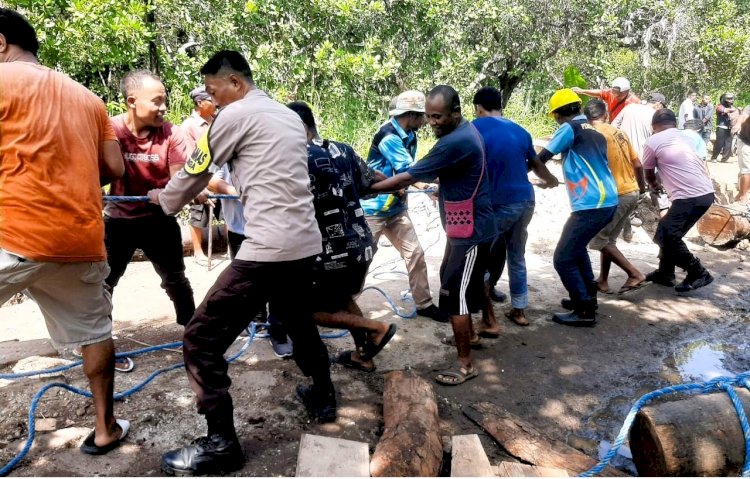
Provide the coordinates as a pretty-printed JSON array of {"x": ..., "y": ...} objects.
[
  {"x": 434, "y": 314},
  {"x": 320, "y": 406},
  {"x": 658, "y": 277},
  {"x": 571, "y": 305},
  {"x": 583, "y": 315},
  {"x": 697, "y": 277},
  {"x": 209, "y": 455}
]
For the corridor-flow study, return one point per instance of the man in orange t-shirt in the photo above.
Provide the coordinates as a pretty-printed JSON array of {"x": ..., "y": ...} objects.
[
  {"x": 628, "y": 174},
  {"x": 616, "y": 98},
  {"x": 57, "y": 145}
]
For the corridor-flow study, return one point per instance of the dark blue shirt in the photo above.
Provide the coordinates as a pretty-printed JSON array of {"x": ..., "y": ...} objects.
[
  {"x": 509, "y": 147},
  {"x": 457, "y": 160}
]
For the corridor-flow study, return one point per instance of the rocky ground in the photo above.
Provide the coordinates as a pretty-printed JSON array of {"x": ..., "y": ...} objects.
[{"x": 576, "y": 385}]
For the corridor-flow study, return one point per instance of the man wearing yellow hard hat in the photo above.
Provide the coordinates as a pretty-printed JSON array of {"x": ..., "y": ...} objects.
[{"x": 593, "y": 199}]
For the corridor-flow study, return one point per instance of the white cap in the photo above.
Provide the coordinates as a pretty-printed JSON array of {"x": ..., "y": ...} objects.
[{"x": 621, "y": 83}]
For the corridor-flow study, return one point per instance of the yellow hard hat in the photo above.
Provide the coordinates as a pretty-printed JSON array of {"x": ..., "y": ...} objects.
[{"x": 562, "y": 97}]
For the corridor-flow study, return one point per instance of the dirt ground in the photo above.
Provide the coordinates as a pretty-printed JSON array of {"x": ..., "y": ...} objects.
[{"x": 576, "y": 385}]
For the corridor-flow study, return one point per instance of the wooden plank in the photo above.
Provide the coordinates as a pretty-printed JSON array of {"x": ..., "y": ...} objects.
[
  {"x": 551, "y": 472},
  {"x": 525, "y": 442},
  {"x": 468, "y": 458},
  {"x": 516, "y": 469},
  {"x": 331, "y": 457}
]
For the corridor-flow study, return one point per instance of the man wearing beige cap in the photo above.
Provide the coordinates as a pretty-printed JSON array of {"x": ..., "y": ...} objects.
[{"x": 392, "y": 152}]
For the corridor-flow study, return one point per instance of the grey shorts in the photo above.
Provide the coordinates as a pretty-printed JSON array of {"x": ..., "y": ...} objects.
[
  {"x": 626, "y": 205},
  {"x": 76, "y": 307},
  {"x": 743, "y": 157}
]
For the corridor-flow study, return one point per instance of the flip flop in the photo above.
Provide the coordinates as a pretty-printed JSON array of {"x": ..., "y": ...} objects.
[
  {"x": 635, "y": 287},
  {"x": 487, "y": 334},
  {"x": 475, "y": 343},
  {"x": 523, "y": 322},
  {"x": 460, "y": 373},
  {"x": 345, "y": 359},
  {"x": 372, "y": 350},
  {"x": 604, "y": 291},
  {"x": 124, "y": 364},
  {"x": 89, "y": 446}
]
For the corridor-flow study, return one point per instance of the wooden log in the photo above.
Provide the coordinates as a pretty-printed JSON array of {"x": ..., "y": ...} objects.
[
  {"x": 693, "y": 436},
  {"x": 523, "y": 441},
  {"x": 410, "y": 445},
  {"x": 721, "y": 226}
]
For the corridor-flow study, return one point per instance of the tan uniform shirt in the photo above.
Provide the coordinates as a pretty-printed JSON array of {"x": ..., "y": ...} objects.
[{"x": 265, "y": 145}]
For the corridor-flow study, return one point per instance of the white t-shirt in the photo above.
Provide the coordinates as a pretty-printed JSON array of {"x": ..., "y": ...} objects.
[{"x": 686, "y": 108}]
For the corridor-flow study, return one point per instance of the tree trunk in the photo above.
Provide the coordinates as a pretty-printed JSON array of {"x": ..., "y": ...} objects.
[
  {"x": 720, "y": 226},
  {"x": 695, "y": 436},
  {"x": 525, "y": 442},
  {"x": 410, "y": 445},
  {"x": 153, "y": 53}
]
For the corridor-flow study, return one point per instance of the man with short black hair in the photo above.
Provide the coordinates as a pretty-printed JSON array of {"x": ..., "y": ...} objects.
[
  {"x": 593, "y": 200},
  {"x": 686, "y": 181},
  {"x": 392, "y": 151},
  {"x": 510, "y": 155},
  {"x": 338, "y": 177},
  {"x": 265, "y": 145},
  {"x": 626, "y": 169},
  {"x": 457, "y": 159},
  {"x": 154, "y": 150},
  {"x": 57, "y": 148},
  {"x": 687, "y": 108},
  {"x": 704, "y": 112}
]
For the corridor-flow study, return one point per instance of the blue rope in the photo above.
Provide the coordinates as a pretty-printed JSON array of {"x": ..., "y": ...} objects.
[
  {"x": 118, "y": 396},
  {"x": 721, "y": 383}
]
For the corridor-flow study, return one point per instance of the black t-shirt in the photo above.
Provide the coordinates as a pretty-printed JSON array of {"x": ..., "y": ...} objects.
[{"x": 338, "y": 177}]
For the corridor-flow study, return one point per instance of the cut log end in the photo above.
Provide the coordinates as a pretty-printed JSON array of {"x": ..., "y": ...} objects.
[{"x": 720, "y": 226}]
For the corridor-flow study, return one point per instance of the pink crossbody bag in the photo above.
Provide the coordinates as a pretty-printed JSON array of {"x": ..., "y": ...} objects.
[{"x": 459, "y": 215}]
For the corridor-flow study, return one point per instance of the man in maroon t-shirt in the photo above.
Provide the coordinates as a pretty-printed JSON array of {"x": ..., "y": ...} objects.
[{"x": 153, "y": 150}]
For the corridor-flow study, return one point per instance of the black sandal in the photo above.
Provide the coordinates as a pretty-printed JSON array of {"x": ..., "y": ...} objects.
[
  {"x": 345, "y": 359},
  {"x": 372, "y": 350}
]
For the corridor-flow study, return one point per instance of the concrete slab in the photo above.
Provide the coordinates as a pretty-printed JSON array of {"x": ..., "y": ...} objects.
[
  {"x": 468, "y": 458},
  {"x": 321, "y": 456},
  {"x": 12, "y": 351}
]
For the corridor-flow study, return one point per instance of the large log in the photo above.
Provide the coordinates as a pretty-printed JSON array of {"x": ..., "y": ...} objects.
[
  {"x": 410, "y": 445},
  {"x": 525, "y": 442},
  {"x": 694, "y": 436},
  {"x": 721, "y": 226}
]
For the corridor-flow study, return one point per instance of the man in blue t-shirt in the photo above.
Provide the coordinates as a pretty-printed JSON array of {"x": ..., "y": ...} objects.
[
  {"x": 457, "y": 159},
  {"x": 510, "y": 155},
  {"x": 392, "y": 151},
  {"x": 593, "y": 198}
]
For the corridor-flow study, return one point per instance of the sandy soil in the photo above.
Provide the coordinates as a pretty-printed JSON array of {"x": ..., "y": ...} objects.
[{"x": 574, "y": 384}]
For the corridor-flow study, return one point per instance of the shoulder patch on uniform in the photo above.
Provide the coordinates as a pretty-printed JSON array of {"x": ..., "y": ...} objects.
[{"x": 200, "y": 160}]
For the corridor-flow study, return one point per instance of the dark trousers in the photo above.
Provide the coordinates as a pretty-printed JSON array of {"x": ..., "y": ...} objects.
[
  {"x": 682, "y": 215},
  {"x": 238, "y": 295},
  {"x": 571, "y": 258},
  {"x": 158, "y": 236},
  {"x": 275, "y": 328},
  {"x": 723, "y": 144}
]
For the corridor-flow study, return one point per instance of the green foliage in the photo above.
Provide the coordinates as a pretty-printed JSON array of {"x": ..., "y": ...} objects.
[{"x": 349, "y": 57}]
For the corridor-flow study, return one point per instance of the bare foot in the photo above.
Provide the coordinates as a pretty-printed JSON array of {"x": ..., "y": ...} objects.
[
  {"x": 113, "y": 433},
  {"x": 602, "y": 285},
  {"x": 634, "y": 281},
  {"x": 483, "y": 330}
]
